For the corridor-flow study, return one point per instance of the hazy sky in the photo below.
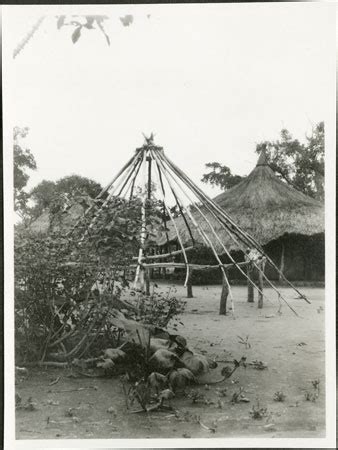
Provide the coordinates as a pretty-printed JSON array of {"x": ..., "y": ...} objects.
[{"x": 209, "y": 80}]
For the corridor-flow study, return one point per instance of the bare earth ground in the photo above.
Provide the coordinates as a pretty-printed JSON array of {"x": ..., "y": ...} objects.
[{"x": 274, "y": 340}]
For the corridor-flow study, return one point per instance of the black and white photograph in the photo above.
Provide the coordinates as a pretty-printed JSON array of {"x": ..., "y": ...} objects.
[{"x": 169, "y": 214}]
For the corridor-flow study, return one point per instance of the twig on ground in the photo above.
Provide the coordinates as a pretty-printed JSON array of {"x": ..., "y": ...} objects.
[
  {"x": 51, "y": 364},
  {"x": 211, "y": 429},
  {"x": 75, "y": 390},
  {"x": 259, "y": 365},
  {"x": 54, "y": 381}
]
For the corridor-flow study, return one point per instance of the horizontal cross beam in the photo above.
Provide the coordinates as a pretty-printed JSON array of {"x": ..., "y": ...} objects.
[
  {"x": 192, "y": 266},
  {"x": 164, "y": 255}
]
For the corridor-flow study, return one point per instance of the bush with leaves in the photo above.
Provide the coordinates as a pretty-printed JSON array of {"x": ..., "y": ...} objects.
[
  {"x": 67, "y": 284},
  {"x": 65, "y": 288},
  {"x": 48, "y": 292},
  {"x": 160, "y": 308}
]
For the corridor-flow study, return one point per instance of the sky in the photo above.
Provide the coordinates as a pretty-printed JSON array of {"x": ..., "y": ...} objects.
[{"x": 210, "y": 81}]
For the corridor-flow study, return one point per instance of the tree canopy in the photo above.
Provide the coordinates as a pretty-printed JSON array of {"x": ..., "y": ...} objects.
[
  {"x": 220, "y": 176},
  {"x": 23, "y": 161},
  {"x": 57, "y": 195}
]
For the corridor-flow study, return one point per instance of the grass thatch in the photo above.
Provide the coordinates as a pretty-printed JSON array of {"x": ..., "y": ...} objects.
[{"x": 262, "y": 205}]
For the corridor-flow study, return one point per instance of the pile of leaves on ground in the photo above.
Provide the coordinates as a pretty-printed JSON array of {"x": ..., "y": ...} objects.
[{"x": 153, "y": 364}]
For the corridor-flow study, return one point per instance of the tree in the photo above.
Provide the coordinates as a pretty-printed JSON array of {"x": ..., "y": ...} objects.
[
  {"x": 57, "y": 195},
  {"x": 301, "y": 165},
  {"x": 220, "y": 176},
  {"x": 23, "y": 160},
  {"x": 77, "y": 185},
  {"x": 43, "y": 196}
]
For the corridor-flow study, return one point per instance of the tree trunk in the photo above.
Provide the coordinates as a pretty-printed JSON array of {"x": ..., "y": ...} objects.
[
  {"x": 153, "y": 252},
  {"x": 147, "y": 280},
  {"x": 224, "y": 297},
  {"x": 189, "y": 286},
  {"x": 261, "y": 286},
  {"x": 250, "y": 286}
]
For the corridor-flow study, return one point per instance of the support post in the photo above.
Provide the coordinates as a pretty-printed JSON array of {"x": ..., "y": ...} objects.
[
  {"x": 251, "y": 294},
  {"x": 164, "y": 270},
  {"x": 260, "y": 285},
  {"x": 139, "y": 276},
  {"x": 224, "y": 297},
  {"x": 147, "y": 271},
  {"x": 282, "y": 263},
  {"x": 189, "y": 286},
  {"x": 147, "y": 279}
]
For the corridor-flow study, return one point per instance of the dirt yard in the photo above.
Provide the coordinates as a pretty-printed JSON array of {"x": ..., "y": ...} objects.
[{"x": 293, "y": 349}]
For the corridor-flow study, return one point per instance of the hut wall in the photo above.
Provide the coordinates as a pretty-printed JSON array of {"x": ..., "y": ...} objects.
[
  {"x": 304, "y": 257},
  {"x": 304, "y": 260}
]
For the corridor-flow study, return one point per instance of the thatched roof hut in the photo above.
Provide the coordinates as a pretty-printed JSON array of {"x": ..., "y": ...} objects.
[
  {"x": 262, "y": 205},
  {"x": 268, "y": 208}
]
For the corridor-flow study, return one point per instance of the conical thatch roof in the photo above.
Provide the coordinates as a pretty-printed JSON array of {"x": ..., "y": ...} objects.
[{"x": 265, "y": 207}]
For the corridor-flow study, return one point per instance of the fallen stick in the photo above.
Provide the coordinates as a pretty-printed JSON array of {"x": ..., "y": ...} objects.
[
  {"x": 30, "y": 431},
  {"x": 206, "y": 427},
  {"x": 158, "y": 406},
  {"x": 87, "y": 375},
  {"x": 125, "y": 395},
  {"x": 73, "y": 390},
  {"x": 48, "y": 363},
  {"x": 54, "y": 381}
]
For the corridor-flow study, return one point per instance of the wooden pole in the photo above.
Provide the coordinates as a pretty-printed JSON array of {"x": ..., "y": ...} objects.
[
  {"x": 105, "y": 203},
  {"x": 245, "y": 237},
  {"x": 164, "y": 270},
  {"x": 152, "y": 270},
  {"x": 185, "y": 179},
  {"x": 224, "y": 298},
  {"x": 193, "y": 266},
  {"x": 149, "y": 176},
  {"x": 140, "y": 270},
  {"x": 172, "y": 220},
  {"x": 103, "y": 191},
  {"x": 147, "y": 271},
  {"x": 282, "y": 262},
  {"x": 250, "y": 285},
  {"x": 189, "y": 286},
  {"x": 260, "y": 285},
  {"x": 147, "y": 280},
  {"x": 165, "y": 255},
  {"x": 198, "y": 228}
]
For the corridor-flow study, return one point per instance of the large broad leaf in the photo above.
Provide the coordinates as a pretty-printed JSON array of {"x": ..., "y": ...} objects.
[
  {"x": 76, "y": 34},
  {"x": 127, "y": 20},
  {"x": 135, "y": 331},
  {"x": 60, "y": 22}
]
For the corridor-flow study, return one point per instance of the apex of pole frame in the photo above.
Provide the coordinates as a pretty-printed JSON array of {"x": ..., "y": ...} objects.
[
  {"x": 149, "y": 141},
  {"x": 149, "y": 144}
]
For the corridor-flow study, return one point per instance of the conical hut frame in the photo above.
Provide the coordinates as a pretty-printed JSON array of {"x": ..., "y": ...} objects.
[{"x": 194, "y": 207}]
